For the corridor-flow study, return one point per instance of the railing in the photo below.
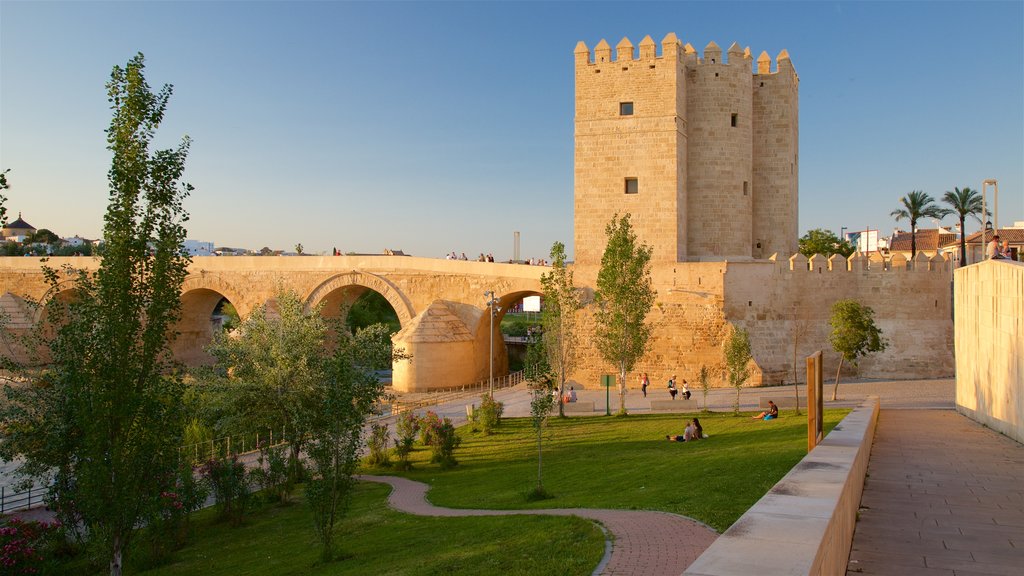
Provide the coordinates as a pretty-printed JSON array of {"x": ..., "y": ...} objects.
[
  {"x": 237, "y": 444},
  {"x": 11, "y": 501},
  {"x": 442, "y": 395}
]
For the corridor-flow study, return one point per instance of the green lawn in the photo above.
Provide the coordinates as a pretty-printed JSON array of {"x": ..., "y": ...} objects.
[
  {"x": 593, "y": 462},
  {"x": 610, "y": 462}
]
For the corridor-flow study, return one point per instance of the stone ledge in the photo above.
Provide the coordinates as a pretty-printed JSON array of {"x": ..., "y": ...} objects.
[
  {"x": 782, "y": 401},
  {"x": 579, "y": 406},
  {"x": 678, "y": 404},
  {"x": 805, "y": 523}
]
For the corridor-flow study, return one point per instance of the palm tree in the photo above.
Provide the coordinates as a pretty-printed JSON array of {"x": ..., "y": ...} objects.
[
  {"x": 917, "y": 205},
  {"x": 964, "y": 203}
]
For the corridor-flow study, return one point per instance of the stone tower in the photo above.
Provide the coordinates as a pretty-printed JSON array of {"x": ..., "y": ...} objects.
[{"x": 702, "y": 152}]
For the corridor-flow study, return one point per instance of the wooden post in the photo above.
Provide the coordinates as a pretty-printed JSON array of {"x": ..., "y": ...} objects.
[{"x": 815, "y": 400}]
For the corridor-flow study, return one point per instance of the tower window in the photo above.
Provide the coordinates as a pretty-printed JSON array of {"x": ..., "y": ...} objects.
[
  {"x": 734, "y": 118},
  {"x": 625, "y": 108},
  {"x": 632, "y": 186},
  {"x": 746, "y": 188}
]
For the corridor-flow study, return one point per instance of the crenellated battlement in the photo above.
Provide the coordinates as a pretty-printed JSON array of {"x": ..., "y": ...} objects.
[
  {"x": 875, "y": 263},
  {"x": 673, "y": 50}
]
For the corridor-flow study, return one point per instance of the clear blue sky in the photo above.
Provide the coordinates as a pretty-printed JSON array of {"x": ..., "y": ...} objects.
[{"x": 432, "y": 127}]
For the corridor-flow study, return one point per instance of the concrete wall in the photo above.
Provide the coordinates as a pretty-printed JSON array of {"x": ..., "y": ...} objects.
[
  {"x": 805, "y": 523},
  {"x": 989, "y": 301}
]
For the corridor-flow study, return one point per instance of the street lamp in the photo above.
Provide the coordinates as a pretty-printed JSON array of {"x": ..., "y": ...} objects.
[
  {"x": 492, "y": 307},
  {"x": 984, "y": 212}
]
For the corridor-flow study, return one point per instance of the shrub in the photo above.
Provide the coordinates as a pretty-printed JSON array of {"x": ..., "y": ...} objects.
[
  {"x": 25, "y": 547},
  {"x": 406, "y": 427},
  {"x": 378, "y": 445},
  {"x": 490, "y": 414},
  {"x": 272, "y": 474},
  {"x": 228, "y": 482},
  {"x": 428, "y": 424},
  {"x": 445, "y": 442}
]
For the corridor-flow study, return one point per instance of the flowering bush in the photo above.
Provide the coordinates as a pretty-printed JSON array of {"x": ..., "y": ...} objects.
[
  {"x": 227, "y": 479},
  {"x": 406, "y": 427},
  {"x": 445, "y": 443},
  {"x": 24, "y": 545},
  {"x": 427, "y": 426}
]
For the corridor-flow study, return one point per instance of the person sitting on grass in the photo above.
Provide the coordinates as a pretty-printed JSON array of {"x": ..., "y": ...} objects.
[
  {"x": 693, "y": 431},
  {"x": 770, "y": 414}
]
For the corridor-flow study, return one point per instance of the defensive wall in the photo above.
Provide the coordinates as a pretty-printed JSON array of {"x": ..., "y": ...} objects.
[
  {"x": 990, "y": 345},
  {"x": 784, "y": 303}
]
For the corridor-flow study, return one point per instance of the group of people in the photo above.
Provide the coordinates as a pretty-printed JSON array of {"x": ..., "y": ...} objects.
[
  {"x": 693, "y": 431},
  {"x": 645, "y": 382},
  {"x": 568, "y": 397},
  {"x": 997, "y": 251}
]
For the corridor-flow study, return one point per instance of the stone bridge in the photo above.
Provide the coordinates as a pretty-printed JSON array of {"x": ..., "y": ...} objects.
[{"x": 440, "y": 303}]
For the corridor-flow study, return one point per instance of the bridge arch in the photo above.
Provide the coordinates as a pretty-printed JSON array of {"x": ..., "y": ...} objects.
[
  {"x": 332, "y": 293},
  {"x": 200, "y": 297}
]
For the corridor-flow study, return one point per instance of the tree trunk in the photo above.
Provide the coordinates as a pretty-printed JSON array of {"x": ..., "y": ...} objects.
[
  {"x": 622, "y": 390},
  {"x": 835, "y": 389},
  {"x": 540, "y": 481},
  {"x": 561, "y": 405},
  {"x": 963, "y": 241},
  {"x": 913, "y": 241},
  {"x": 796, "y": 392},
  {"x": 116, "y": 557}
]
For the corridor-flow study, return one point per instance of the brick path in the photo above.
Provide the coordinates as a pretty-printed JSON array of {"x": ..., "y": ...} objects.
[
  {"x": 648, "y": 543},
  {"x": 944, "y": 497}
]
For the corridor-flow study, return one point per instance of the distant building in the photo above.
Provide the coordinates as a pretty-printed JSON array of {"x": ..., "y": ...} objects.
[
  {"x": 17, "y": 231},
  {"x": 931, "y": 241},
  {"x": 197, "y": 248},
  {"x": 1015, "y": 234}
]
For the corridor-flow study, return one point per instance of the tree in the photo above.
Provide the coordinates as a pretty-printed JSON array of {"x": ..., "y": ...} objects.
[
  {"x": 854, "y": 334},
  {"x": 104, "y": 421},
  {"x": 335, "y": 420},
  {"x": 274, "y": 365},
  {"x": 624, "y": 297},
  {"x": 963, "y": 203},
  {"x": 561, "y": 304},
  {"x": 824, "y": 242},
  {"x": 41, "y": 236},
  {"x": 3, "y": 199},
  {"x": 917, "y": 205},
  {"x": 736, "y": 349},
  {"x": 541, "y": 377},
  {"x": 298, "y": 249}
]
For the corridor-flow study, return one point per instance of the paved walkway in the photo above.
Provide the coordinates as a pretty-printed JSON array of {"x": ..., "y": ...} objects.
[
  {"x": 649, "y": 543},
  {"x": 944, "y": 496}
]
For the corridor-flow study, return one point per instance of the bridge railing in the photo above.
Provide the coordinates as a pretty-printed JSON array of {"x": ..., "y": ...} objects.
[
  {"x": 438, "y": 396},
  {"x": 239, "y": 444}
]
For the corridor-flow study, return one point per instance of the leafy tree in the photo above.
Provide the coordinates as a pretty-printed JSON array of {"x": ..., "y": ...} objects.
[
  {"x": 298, "y": 249},
  {"x": 104, "y": 421},
  {"x": 274, "y": 365},
  {"x": 917, "y": 205},
  {"x": 42, "y": 236},
  {"x": 736, "y": 349},
  {"x": 854, "y": 334},
  {"x": 963, "y": 203},
  {"x": 542, "y": 383},
  {"x": 561, "y": 304},
  {"x": 372, "y": 308},
  {"x": 624, "y": 297},
  {"x": 704, "y": 379},
  {"x": 824, "y": 242}
]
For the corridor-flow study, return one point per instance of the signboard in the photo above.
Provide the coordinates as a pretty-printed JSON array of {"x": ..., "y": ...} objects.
[
  {"x": 815, "y": 400},
  {"x": 531, "y": 304}
]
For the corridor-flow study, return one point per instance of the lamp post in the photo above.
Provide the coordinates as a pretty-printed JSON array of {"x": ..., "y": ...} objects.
[
  {"x": 984, "y": 211},
  {"x": 492, "y": 308}
]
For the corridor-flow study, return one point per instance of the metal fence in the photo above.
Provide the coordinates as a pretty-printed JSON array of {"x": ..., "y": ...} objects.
[
  {"x": 11, "y": 501},
  {"x": 238, "y": 444}
]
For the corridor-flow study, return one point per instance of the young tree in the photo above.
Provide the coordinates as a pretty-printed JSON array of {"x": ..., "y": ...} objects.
[
  {"x": 541, "y": 377},
  {"x": 104, "y": 421},
  {"x": 917, "y": 205},
  {"x": 824, "y": 242},
  {"x": 561, "y": 303},
  {"x": 274, "y": 365},
  {"x": 964, "y": 203},
  {"x": 624, "y": 296},
  {"x": 3, "y": 199},
  {"x": 704, "y": 379},
  {"x": 854, "y": 334},
  {"x": 335, "y": 420},
  {"x": 736, "y": 349}
]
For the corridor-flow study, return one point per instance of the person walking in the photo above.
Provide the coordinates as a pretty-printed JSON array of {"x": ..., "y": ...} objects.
[
  {"x": 672, "y": 386},
  {"x": 644, "y": 383}
]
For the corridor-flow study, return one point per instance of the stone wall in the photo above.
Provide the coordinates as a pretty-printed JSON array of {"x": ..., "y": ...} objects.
[{"x": 989, "y": 300}]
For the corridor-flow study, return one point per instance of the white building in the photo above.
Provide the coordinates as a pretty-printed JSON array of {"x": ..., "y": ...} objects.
[{"x": 197, "y": 248}]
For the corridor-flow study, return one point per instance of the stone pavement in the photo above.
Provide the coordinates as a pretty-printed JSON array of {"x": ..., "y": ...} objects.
[
  {"x": 944, "y": 496},
  {"x": 648, "y": 543}
]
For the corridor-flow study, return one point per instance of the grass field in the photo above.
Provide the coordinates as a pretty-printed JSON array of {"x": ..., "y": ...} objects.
[
  {"x": 612, "y": 462},
  {"x": 593, "y": 462}
]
